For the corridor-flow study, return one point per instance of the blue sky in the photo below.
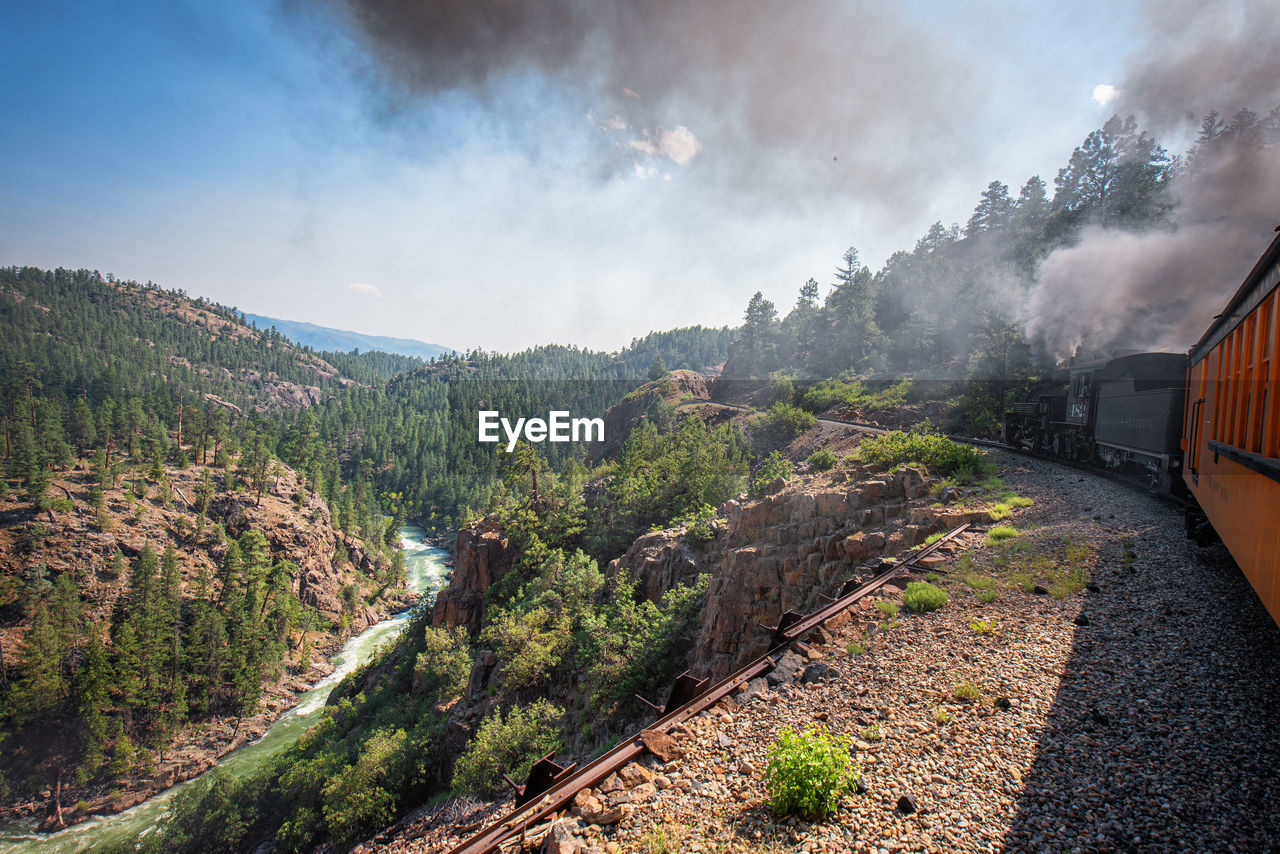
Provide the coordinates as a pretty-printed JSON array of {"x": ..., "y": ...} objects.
[{"x": 263, "y": 157}]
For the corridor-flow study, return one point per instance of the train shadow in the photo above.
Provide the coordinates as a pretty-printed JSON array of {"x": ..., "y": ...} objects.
[{"x": 1165, "y": 730}]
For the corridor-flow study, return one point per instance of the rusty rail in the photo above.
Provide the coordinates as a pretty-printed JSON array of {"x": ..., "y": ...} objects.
[{"x": 551, "y": 788}]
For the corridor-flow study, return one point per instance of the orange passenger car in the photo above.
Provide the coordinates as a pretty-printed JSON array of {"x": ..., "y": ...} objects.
[{"x": 1231, "y": 433}]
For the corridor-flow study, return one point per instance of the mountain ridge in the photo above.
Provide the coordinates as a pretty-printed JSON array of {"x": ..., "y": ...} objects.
[{"x": 344, "y": 340}]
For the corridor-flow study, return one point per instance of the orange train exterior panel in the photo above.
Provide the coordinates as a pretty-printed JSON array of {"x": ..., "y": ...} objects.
[{"x": 1231, "y": 432}]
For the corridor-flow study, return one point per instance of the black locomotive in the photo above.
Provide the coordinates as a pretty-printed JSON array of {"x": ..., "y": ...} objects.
[{"x": 1124, "y": 414}]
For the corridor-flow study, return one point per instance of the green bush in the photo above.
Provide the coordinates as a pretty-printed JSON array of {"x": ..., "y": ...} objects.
[
  {"x": 697, "y": 523},
  {"x": 823, "y": 460},
  {"x": 808, "y": 772},
  {"x": 775, "y": 466},
  {"x": 529, "y": 644},
  {"x": 783, "y": 422},
  {"x": 986, "y": 597},
  {"x": 921, "y": 596},
  {"x": 508, "y": 747},
  {"x": 829, "y": 393},
  {"x": 362, "y": 797},
  {"x": 919, "y": 446},
  {"x": 444, "y": 663}
]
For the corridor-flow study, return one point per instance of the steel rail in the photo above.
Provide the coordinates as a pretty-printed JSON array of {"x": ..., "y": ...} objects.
[{"x": 566, "y": 786}]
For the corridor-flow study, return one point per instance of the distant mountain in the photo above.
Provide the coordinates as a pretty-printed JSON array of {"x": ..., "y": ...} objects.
[{"x": 340, "y": 340}]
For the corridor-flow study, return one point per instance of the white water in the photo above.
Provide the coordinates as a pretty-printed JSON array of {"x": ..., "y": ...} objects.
[{"x": 426, "y": 573}]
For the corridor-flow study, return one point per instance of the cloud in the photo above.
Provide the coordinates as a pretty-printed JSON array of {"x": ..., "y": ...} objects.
[
  {"x": 773, "y": 89},
  {"x": 679, "y": 144},
  {"x": 366, "y": 288},
  {"x": 1104, "y": 93}
]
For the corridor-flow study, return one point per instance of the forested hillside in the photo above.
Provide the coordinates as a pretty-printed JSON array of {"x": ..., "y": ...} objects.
[{"x": 969, "y": 305}]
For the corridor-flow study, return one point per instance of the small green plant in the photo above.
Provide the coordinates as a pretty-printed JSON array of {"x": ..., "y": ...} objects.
[
  {"x": 932, "y": 538},
  {"x": 663, "y": 839},
  {"x": 1000, "y": 533},
  {"x": 887, "y": 608},
  {"x": 872, "y": 733},
  {"x": 999, "y": 511},
  {"x": 967, "y": 691},
  {"x": 986, "y": 597},
  {"x": 932, "y": 577},
  {"x": 775, "y": 466},
  {"x": 808, "y": 772},
  {"x": 855, "y": 647},
  {"x": 983, "y": 627},
  {"x": 921, "y": 596},
  {"x": 941, "y": 716},
  {"x": 823, "y": 460}
]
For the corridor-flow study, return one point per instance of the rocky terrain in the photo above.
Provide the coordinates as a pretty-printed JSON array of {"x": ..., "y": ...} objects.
[{"x": 1117, "y": 694}]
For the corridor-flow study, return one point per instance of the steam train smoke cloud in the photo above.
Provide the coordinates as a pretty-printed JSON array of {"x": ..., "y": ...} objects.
[
  {"x": 790, "y": 100},
  {"x": 1154, "y": 290}
]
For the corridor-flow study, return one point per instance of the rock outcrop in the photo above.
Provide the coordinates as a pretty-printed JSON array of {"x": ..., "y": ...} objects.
[
  {"x": 777, "y": 553},
  {"x": 482, "y": 556},
  {"x": 624, "y": 415}
]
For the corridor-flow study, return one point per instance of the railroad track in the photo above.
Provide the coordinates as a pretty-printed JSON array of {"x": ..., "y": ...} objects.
[
  {"x": 550, "y": 788},
  {"x": 1115, "y": 477}
]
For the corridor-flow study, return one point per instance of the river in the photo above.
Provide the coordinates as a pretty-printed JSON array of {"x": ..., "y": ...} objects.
[{"x": 425, "y": 572}]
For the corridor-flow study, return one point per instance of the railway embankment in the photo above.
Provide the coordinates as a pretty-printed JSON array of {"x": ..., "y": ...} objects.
[{"x": 1095, "y": 682}]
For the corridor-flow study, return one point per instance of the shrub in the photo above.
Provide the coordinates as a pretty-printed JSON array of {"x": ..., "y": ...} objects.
[
  {"x": 783, "y": 422},
  {"x": 808, "y": 772},
  {"x": 887, "y": 608},
  {"x": 508, "y": 747},
  {"x": 361, "y": 798},
  {"x": 529, "y": 644},
  {"x": 1000, "y": 533},
  {"x": 444, "y": 663},
  {"x": 822, "y": 460},
  {"x": 986, "y": 597},
  {"x": 921, "y": 596},
  {"x": 922, "y": 447},
  {"x": 775, "y": 466},
  {"x": 697, "y": 523}
]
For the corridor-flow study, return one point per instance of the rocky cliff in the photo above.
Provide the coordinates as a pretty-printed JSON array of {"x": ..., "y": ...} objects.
[
  {"x": 482, "y": 556},
  {"x": 778, "y": 553}
]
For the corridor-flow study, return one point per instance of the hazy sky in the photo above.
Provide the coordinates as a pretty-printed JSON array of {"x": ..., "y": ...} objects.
[{"x": 501, "y": 175}]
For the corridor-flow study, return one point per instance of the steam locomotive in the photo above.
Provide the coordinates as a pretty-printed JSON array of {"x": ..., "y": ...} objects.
[
  {"x": 1204, "y": 425},
  {"x": 1124, "y": 414}
]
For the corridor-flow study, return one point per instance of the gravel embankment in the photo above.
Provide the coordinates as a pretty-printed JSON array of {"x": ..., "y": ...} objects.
[{"x": 1139, "y": 714}]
